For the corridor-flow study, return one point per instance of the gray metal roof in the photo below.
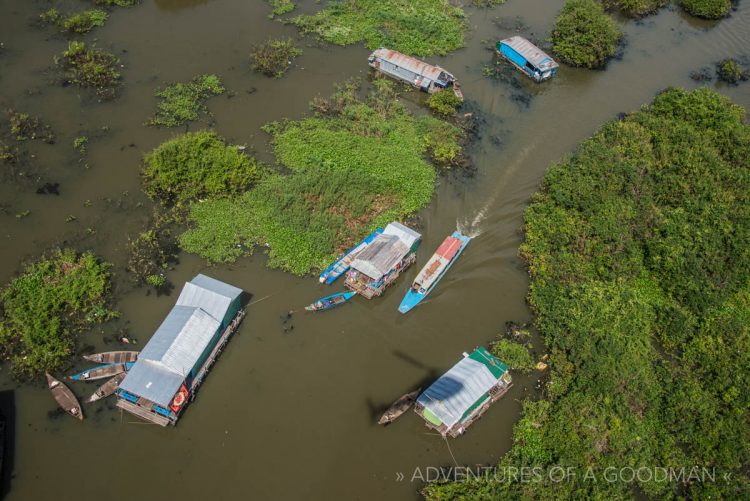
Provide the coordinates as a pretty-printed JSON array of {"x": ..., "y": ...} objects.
[
  {"x": 404, "y": 233},
  {"x": 209, "y": 294},
  {"x": 181, "y": 339},
  {"x": 153, "y": 381},
  {"x": 378, "y": 258},
  {"x": 531, "y": 52},
  {"x": 457, "y": 390}
]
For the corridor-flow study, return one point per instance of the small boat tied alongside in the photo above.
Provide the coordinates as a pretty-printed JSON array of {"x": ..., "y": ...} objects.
[
  {"x": 331, "y": 301},
  {"x": 528, "y": 58},
  {"x": 432, "y": 272},
  {"x": 101, "y": 372},
  {"x": 341, "y": 265},
  {"x": 107, "y": 388},
  {"x": 425, "y": 77},
  {"x": 64, "y": 397},
  {"x": 112, "y": 357},
  {"x": 399, "y": 407}
]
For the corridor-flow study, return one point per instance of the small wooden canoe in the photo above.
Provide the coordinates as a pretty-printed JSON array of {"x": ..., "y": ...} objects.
[
  {"x": 101, "y": 372},
  {"x": 64, "y": 397},
  {"x": 331, "y": 301},
  {"x": 399, "y": 407},
  {"x": 107, "y": 388},
  {"x": 112, "y": 357}
]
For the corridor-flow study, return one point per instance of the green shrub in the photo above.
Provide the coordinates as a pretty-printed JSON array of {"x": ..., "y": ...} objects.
[
  {"x": 91, "y": 67},
  {"x": 444, "y": 102},
  {"x": 273, "y": 57},
  {"x": 359, "y": 166},
  {"x": 420, "y": 28},
  {"x": 184, "y": 102},
  {"x": 85, "y": 21},
  {"x": 708, "y": 9},
  {"x": 584, "y": 35},
  {"x": 281, "y": 7},
  {"x": 50, "y": 16},
  {"x": 80, "y": 143},
  {"x": 636, "y": 8},
  {"x": 640, "y": 285},
  {"x": 196, "y": 165},
  {"x": 23, "y": 126},
  {"x": 514, "y": 355},
  {"x": 730, "y": 71},
  {"x": 116, "y": 3},
  {"x": 44, "y": 309}
]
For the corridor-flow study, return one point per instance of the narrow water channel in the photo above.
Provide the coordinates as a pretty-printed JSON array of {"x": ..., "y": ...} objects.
[{"x": 290, "y": 413}]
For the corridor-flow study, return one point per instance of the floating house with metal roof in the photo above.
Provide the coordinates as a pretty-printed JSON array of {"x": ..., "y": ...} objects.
[
  {"x": 411, "y": 70},
  {"x": 383, "y": 260},
  {"x": 528, "y": 58},
  {"x": 461, "y": 395},
  {"x": 175, "y": 360}
]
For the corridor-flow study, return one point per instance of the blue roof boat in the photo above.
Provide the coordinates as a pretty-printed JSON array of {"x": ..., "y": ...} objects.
[
  {"x": 339, "y": 267},
  {"x": 102, "y": 371},
  {"x": 437, "y": 266},
  {"x": 331, "y": 301}
]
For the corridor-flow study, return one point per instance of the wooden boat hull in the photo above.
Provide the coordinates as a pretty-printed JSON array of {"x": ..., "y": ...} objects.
[
  {"x": 339, "y": 267},
  {"x": 331, "y": 301},
  {"x": 413, "y": 297},
  {"x": 101, "y": 372},
  {"x": 107, "y": 388},
  {"x": 112, "y": 357},
  {"x": 399, "y": 407},
  {"x": 64, "y": 397}
]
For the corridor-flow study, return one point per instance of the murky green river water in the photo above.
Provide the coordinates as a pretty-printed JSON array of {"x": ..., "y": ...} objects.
[{"x": 290, "y": 414}]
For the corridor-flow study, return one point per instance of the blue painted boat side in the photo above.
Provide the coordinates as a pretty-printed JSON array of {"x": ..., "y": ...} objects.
[
  {"x": 346, "y": 295},
  {"x": 413, "y": 297},
  {"x": 330, "y": 274}
]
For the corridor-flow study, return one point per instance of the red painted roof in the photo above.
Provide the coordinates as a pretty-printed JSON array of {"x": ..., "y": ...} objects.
[{"x": 448, "y": 248}]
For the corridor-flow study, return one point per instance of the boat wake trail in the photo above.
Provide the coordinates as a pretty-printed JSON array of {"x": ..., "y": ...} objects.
[{"x": 471, "y": 227}]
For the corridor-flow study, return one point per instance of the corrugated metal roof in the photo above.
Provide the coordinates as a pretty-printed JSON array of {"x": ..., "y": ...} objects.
[
  {"x": 153, "y": 381},
  {"x": 404, "y": 233},
  {"x": 412, "y": 64},
  {"x": 530, "y": 52},
  {"x": 380, "y": 256},
  {"x": 181, "y": 339},
  {"x": 209, "y": 294},
  {"x": 457, "y": 390}
]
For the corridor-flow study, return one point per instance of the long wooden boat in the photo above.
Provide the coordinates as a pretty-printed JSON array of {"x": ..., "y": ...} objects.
[
  {"x": 331, "y": 301},
  {"x": 64, "y": 397},
  {"x": 107, "y": 388},
  {"x": 399, "y": 407},
  {"x": 101, "y": 372},
  {"x": 437, "y": 266},
  {"x": 112, "y": 357},
  {"x": 342, "y": 264}
]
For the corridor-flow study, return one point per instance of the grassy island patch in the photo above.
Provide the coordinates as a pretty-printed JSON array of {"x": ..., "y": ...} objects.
[
  {"x": 635, "y": 8},
  {"x": 183, "y": 102},
  {"x": 46, "y": 307},
  {"x": 116, "y": 3},
  {"x": 730, "y": 71},
  {"x": 281, "y": 7},
  {"x": 584, "y": 35},
  {"x": 273, "y": 57},
  {"x": 355, "y": 165},
  {"x": 423, "y": 28},
  {"x": 81, "y": 22},
  {"x": 707, "y": 9},
  {"x": 194, "y": 166},
  {"x": 640, "y": 285},
  {"x": 91, "y": 67}
]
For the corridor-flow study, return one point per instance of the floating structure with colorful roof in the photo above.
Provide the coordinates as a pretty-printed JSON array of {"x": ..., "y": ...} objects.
[{"x": 411, "y": 70}]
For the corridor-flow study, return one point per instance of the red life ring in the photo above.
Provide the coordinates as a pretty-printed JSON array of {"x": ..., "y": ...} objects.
[{"x": 179, "y": 399}]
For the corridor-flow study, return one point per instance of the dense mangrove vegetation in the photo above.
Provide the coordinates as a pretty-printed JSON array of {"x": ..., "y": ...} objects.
[
  {"x": 707, "y": 9},
  {"x": 355, "y": 165},
  {"x": 184, "y": 102},
  {"x": 585, "y": 35},
  {"x": 638, "y": 252},
  {"x": 46, "y": 307},
  {"x": 422, "y": 28}
]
